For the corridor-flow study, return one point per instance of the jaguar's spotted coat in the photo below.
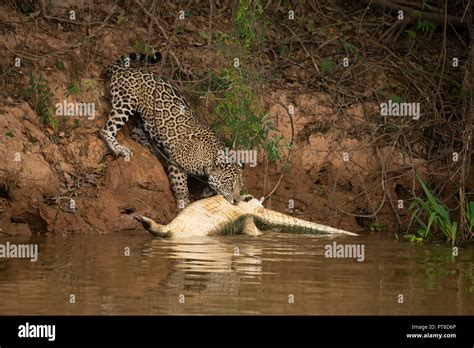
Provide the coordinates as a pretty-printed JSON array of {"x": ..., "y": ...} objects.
[{"x": 170, "y": 125}]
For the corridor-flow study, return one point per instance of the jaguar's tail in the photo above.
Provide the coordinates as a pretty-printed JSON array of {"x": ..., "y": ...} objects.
[{"x": 124, "y": 61}]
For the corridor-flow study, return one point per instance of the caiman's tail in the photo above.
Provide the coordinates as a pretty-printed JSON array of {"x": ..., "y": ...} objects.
[
  {"x": 124, "y": 61},
  {"x": 151, "y": 226},
  {"x": 270, "y": 219}
]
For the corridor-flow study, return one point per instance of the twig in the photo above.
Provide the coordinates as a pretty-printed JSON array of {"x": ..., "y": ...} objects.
[
  {"x": 384, "y": 178},
  {"x": 431, "y": 16},
  {"x": 373, "y": 215},
  {"x": 290, "y": 147},
  {"x": 304, "y": 48},
  {"x": 163, "y": 32}
]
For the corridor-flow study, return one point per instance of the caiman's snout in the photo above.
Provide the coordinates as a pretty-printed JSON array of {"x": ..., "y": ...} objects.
[
  {"x": 151, "y": 226},
  {"x": 143, "y": 220}
]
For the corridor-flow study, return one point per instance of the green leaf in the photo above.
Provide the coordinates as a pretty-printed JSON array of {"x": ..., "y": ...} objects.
[
  {"x": 396, "y": 99},
  {"x": 73, "y": 89},
  {"x": 411, "y": 34},
  {"x": 327, "y": 65},
  {"x": 59, "y": 64},
  {"x": 425, "y": 26},
  {"x": 349, "y": 47}
]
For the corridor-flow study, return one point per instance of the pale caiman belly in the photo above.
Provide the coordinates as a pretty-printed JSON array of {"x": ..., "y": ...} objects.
[{"x": 216, "y": 216}]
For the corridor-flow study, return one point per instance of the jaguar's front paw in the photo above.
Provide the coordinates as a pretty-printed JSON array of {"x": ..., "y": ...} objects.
[{"x": 124, "y": 152}]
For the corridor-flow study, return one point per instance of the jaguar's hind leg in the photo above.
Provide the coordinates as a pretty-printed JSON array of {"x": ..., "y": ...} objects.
[
  {"x": 179, "y": 185},
  {"x": 142, "y": 137}
]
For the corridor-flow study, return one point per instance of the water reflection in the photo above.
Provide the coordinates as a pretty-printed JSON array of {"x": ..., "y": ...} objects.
[
  {"x": 234, "y": 275},
  {"x": 206, "y": 255}
]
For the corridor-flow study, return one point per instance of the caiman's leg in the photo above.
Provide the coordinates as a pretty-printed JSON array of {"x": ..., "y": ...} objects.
[{"x": 249, "y": 228}]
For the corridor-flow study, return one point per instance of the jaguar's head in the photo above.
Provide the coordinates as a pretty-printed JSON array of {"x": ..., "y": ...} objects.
[{"x": 226, "y": 179}]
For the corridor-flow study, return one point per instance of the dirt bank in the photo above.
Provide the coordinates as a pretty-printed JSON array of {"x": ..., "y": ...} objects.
[
  {"x": 67, "y": 184},
  {"x": 63, "y": 179}
]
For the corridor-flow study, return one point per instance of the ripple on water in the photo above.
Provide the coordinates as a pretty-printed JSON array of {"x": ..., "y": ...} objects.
[{"x": 236, "y": 275}]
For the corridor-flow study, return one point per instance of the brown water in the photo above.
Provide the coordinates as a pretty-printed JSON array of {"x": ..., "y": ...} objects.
[{"x": 235, "y": 275}]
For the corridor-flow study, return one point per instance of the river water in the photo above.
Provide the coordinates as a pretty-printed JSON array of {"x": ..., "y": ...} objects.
[{"x": 273, "y": 274}]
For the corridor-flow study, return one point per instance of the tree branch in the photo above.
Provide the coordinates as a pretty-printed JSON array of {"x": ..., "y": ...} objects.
[{"x": 437, "y": 18}]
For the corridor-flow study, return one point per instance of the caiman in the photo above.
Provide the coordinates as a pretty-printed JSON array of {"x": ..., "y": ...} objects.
[{"x": 217, "y": 216}]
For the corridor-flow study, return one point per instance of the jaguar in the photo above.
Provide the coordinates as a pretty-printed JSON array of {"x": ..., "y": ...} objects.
[{"x": 167, "y": 123}]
